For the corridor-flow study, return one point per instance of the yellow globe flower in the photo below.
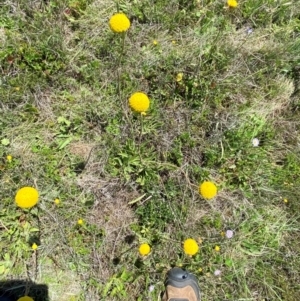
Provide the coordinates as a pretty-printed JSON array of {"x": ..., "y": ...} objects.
[
  {"x": 217, "y": 248},
  {"x": 34, "y": 246},
  {"x": 80, "y": 222},
  {"x": 139, "y": 102},
  {"x": 27, "y": 197},
  {"x": 190, "y": 247},
  {"x": 144, "y": 249},
  {"x": 232, "y": 3},
  {"x": 179, "y": 77},
  {"x": 119, "y": 22},
  {"x": 208, "y": 190},
  {"x": 25, "y": 298}
]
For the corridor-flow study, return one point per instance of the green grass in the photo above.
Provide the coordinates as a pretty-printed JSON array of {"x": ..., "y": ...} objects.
[{"x": 65, "y": 120}]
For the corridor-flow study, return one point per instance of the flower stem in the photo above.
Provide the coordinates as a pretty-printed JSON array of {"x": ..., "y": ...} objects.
[
  {"x": 141, "y": 134},
  {"x": 123, "y": 43}
]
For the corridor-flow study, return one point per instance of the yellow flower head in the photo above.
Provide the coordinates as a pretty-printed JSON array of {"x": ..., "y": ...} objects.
[
  {"x": 208, "y": 190},
  {"x": 80, "y": 222},
  {"x": 27, "y": 197},
  {"x": 139, "y": 102},
  {"x": 232, "y": 3},
  {"x": 285, "y": 201},
  {"x": 155, "y": 42},
  {"x": 57, "y": 201},
  {"x": 9, "y": 158},
  {"x": 190, "y": 246},
  {"x": 25, "y": 298},
  {"x": 179, "y": 77},
  {"x": 217, "y": 248},
  {"x": 144, "y": 249},
  {"x": 119, "y": 22},
  {"x": 34, "y": 246}
]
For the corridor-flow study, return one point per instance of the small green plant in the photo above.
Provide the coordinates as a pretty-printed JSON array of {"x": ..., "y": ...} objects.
[
  {"x": 21, "y": 232},
  {"x": 116, "y": 286},
  {"x": 137, "y": 163}
]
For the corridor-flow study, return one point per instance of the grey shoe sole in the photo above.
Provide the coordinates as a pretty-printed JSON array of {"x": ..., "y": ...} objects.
[{"x": 180, "y": 278}]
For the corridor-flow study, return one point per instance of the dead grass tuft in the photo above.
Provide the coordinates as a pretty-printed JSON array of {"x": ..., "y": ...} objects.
[
  {"x": 113, "y": 215},
  {"x": 44, "y": 104},
  {"x": 81, "y": 149}
]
